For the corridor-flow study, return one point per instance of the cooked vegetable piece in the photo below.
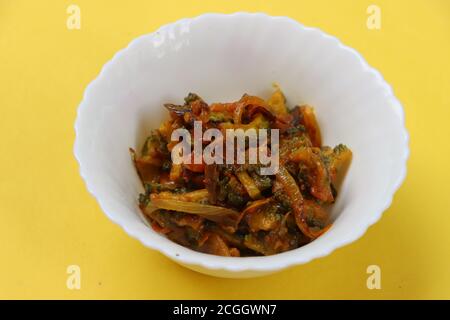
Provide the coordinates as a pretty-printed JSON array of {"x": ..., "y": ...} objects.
[
  {"x": 277, "y": 102},
  {"x": 311, "y": 125},
  {"x": 147, "y": 171},
  {"x": 262, "y": 182},
  {"x": 211, "y": 182},
  {"x": 175, "y": 172},
  {"x": 200, "y": 195},
  {"x": 216, "y": 245},
  {"x": 155, "y": 146},
  {"x": 339, "y": 164},
  {"x": 249, "y": 184},
  {"x": 224, "y": 216},
  {"x": 259, "y": 122},
  {"x": 262, "y": 215},
  {"x": 178, "y": 109},
  {"x": 316, "y": 215},
  {"x": 316, "y": 172}
]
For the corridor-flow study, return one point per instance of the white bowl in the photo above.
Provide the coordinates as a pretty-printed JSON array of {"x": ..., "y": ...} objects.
[{"x": 220, "y": 57}]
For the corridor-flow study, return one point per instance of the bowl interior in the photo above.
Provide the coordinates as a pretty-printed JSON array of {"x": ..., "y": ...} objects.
[{"x": 221, "y": 57}]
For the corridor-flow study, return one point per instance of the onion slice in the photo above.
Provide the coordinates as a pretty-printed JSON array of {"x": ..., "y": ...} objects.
[
  {"x": 220, "y": 215},
  {"x": 292, "y": 190}
]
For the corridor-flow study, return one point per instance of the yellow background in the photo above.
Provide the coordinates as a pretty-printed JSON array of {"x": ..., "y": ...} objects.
[{"x": 49, "y": 220}]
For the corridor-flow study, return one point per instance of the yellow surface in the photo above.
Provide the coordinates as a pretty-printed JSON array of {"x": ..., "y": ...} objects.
[{"x": 50, "y": 221}]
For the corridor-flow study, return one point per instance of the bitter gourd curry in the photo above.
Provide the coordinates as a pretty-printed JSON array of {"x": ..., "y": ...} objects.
[{"x": 233, "y": 209}]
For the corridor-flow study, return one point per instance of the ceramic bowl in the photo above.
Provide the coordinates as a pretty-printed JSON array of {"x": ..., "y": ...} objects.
[{"x": 221, "y": 57}]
